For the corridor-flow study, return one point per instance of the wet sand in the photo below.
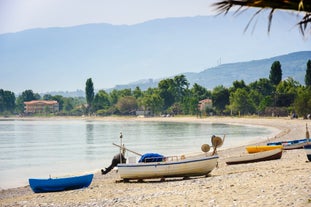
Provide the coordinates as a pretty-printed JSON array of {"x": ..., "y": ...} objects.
[{"x": 284, "y": 182}]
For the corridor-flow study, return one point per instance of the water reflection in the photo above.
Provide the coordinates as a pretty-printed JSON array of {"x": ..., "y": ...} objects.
[
  {"x": 89, "y": 133},
  {"x": 89, "y": 152}
]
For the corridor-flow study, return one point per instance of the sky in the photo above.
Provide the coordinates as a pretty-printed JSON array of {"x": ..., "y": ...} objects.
[{"x": 19, "y": 15}]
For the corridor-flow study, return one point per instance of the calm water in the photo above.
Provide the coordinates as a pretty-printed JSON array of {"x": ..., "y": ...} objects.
[{"x": 32, "y": 148}]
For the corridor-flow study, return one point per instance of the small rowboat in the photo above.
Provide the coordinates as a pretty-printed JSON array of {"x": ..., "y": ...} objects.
[
  {"x": 174, "y": 166},
  {"x": 262, "y": 148},
  {"x": 291, "y": 144},
  {"x": 308, "y": 151},
  {"x": 255, "y": 157},
  {"x": 60, "y": 184}
]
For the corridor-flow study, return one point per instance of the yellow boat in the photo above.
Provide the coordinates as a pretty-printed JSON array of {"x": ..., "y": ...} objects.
[{"x": 262, "y": 148}]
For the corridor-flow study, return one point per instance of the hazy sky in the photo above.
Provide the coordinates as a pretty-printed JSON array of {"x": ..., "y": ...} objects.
[{"x": 18, "y": 15}]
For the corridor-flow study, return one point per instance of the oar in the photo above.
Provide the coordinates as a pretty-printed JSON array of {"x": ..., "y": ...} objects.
[{"x": 122, "y": 147}]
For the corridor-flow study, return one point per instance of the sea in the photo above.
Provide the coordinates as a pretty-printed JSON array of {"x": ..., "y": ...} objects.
[{"x": 56, "y": 148}]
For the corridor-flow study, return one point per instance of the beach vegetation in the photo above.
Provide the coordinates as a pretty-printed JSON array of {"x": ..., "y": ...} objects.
[
  {"x": 127, "y": 105},
  {"x": 241, "y": 102},
  {"x": 220, "y": 98},
  {"x": 174, "y": 96},
  {"x": 7, "y": 101},
  {"x": 101, "y": 101},
  {"x": 302, "y": 103}
]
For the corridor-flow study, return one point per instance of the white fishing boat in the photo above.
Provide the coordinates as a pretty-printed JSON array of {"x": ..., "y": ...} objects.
[
  {"x": 173, "y": 166},
  {"x": 153, "y": 165}
]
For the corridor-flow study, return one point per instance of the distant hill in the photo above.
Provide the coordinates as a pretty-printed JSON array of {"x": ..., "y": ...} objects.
[
  {"x": 293, "y": 65},
  {"x": 62, "y": 59}
]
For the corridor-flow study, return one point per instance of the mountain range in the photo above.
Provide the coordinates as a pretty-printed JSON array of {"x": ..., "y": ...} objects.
[
  {"x": 293, "y": 65},
  {"x": 206, "y": 49}
]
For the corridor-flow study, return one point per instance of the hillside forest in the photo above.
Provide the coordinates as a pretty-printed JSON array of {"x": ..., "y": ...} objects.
[{"x": 271, "y": 96}]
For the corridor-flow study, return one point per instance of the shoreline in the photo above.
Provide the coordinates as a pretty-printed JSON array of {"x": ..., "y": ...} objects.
[{"x": 277, "y": 180}]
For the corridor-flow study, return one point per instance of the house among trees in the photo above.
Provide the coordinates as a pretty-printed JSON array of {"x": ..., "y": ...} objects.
[
  {"x": 204, "y": 104},
  {"x": 41, "y": 106}
]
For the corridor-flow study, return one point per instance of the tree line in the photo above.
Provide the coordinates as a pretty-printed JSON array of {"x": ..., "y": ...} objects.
[{"x": 174, "y": 96}]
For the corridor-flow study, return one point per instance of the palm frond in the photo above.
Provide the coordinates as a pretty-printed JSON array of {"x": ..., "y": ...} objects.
[{"x": 292, "y": 5}]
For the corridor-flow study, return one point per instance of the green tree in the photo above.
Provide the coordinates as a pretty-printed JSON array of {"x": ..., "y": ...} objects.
[
  {"x": 89, "y": 94},
  {"x": 7, "y": 101},
  {"x": 68, "y": 104},
  {"x": 286, "y": 91},
  {"x": 181, "y": 86},
  {"x": 220, "y": 98},
  {"x": 167, "y": 92},
  {"x": 113, "y": 96},
  {"x": 262, "y": 86},
  {"x": 196, "y": 94},
  {"x": 153, "y": 102},
  {"x": 137, "y": 92},
  {"x": 237, "y": 84},
  {"x": 190, "y": 105},
  {"x": 302, "y": 103},
  {"x": 199, "y": 92},
  {"x": 275, "y": 73},
  {"x": 125, "y": 92},
  {"x": 308, "y": 74},
  {"x": 27, "y": 95},
  {"x": 256, "y": 98},
  {"x": 47, "y": 97},
  {"x": 60, "y": 100},
  {"x": 127, "y": 105},
  {"x": 241, "y": 102},
  {"x": 101, "y": 101}
]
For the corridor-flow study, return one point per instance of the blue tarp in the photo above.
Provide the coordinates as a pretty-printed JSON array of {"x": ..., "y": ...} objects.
[{"x": 151, "y": 157}]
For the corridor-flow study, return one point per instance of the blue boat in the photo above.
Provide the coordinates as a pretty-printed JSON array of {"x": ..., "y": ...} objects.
[
  {"x": 291, "y": 144},
  {"x": 308, "y": 151},
  {"x": 60, "y": 184}
]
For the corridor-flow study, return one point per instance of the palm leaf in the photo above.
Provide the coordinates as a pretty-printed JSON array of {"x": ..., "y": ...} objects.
[{"x": 291, "y": 5}]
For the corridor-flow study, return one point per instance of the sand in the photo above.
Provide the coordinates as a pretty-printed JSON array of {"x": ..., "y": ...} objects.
[{"x": 284, "y": 182}]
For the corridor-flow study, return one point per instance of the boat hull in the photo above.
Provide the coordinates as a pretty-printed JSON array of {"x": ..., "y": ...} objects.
[
  {"x": 255, "y": 149},
  {"x": 60, "y": 184},
  {"x": 308, "y": 151},
  {"x": 291, "y": 144},
  {"x": 256, "y": 157},
  {"x": 188, "y": 167}
]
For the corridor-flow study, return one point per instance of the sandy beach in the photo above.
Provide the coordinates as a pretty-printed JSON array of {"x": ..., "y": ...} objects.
[{"x": 284, "y": 182}]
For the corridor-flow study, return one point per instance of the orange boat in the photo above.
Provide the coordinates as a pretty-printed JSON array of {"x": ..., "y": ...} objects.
[{"x": 262, "y": 148}]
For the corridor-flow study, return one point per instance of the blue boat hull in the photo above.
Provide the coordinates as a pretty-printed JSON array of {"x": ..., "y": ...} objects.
[
  {"x": 292, "y": 144},
  {"x": 60, "y": 184},
  {"x": 287, "y": 142}
]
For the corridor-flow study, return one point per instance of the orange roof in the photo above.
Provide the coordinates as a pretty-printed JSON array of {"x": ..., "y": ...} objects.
[
  {"x": 40, "y": 101},
  {"x": 206, "y": 101}
]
